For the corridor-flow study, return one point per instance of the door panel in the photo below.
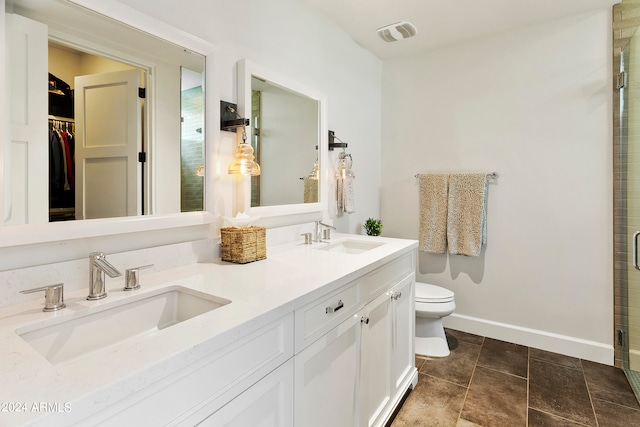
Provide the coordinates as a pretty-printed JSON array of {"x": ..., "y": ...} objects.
[
  {"x": 26, "y": 154},
  {"x": 108, "y": 139}
]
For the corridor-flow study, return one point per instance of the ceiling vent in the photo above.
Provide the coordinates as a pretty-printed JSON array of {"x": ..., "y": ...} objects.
[{"x": 398, "y": 31}]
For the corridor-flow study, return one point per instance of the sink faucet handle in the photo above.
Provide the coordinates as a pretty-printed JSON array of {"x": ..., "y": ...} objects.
[
  {"x": 327, "y": 225},
  {"x": 53, "y": 296},
  {"x": 307, "y": 238},
  {"x": 132, "y": 277}
]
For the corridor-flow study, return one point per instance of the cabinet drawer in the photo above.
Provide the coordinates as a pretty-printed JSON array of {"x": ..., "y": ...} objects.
[
  {"x": 382, "y": 279},
  {"x": 316, "y": 318}
]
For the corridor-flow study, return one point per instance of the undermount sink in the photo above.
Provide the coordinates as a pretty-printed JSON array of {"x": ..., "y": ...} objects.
[
  {"x": 79, "y": 336},
  {"x": 351, "y": 246}
]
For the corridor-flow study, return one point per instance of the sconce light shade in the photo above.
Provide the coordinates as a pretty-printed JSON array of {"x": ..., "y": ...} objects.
[
  {"x": 243, "y": 160},
  {"x": 315, "y": 172},
  {"x": 200, "y": 170}
]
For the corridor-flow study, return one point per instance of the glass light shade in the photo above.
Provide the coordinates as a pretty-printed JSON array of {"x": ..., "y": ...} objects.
[
  {"x": 315, "y": 172},
  {"x": 243, "y": 161}
]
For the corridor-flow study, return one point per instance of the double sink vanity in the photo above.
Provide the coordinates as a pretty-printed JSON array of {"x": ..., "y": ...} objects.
[{"x": 318, "y": 334}]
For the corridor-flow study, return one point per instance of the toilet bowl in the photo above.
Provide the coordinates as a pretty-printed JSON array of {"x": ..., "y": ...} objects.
[{"x": 432, "y": 303}]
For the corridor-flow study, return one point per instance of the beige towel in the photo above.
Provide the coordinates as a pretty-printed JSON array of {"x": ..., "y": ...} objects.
[
  {"x": 433, "y": 213},
  {"x": 310, "y": 190},
  {"x": 467, "y": 213}
]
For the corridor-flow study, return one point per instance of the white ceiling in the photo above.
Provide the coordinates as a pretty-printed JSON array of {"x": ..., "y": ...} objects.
[{"x": 442, "y": 22}]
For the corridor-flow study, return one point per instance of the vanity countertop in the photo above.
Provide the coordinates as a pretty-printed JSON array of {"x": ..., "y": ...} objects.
[{"x": 293, "y": 274}]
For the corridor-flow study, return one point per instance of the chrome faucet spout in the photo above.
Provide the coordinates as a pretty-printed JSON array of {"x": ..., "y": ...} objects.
[
  {"x": 109, "y": 269},
  {"x": 98, "y": 266},
  {"x": 319, "y": 225}
]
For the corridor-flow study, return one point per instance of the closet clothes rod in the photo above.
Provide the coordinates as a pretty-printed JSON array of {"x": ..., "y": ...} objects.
[
  {"x": 62, "y": 119},
  {"x": 492, "y": 175}
]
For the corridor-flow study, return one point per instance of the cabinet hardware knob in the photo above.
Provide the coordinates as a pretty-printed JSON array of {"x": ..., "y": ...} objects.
[
  {"x": 334, "y": 307},
  {"x": 364, "y": 320},
  {"x": 396, "y": 295}
]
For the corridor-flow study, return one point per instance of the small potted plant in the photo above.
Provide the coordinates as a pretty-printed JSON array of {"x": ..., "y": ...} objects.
[{"x": 372, "y": 227}]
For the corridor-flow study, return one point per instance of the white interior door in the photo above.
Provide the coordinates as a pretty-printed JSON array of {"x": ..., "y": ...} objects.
[
  {"x": 26, "y": 160},
  {"x": 108, "y": 138}
]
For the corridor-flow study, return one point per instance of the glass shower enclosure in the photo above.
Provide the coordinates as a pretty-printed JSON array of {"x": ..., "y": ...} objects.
[{"x": 627, "y": 211}]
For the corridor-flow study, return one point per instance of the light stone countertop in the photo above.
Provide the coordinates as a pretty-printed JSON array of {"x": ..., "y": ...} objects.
[{"x": 260, "y": 292}]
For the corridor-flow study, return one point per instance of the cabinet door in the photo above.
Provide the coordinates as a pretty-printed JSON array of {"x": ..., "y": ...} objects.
[
  {"x": 402, "y": 334},
  {"x": 327, "y": 375},
  {"x": 376, "y": 358},
  {"x": 268, "y": 403}
]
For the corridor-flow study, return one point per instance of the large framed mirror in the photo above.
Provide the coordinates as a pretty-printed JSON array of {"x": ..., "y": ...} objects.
[
  {"x": 288, "y": 133},
  {"x": 118, "y": 134}
]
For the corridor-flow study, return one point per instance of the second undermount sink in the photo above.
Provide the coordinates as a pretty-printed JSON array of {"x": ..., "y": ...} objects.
[
  {"x": 67, "y": 340},
  {"x": 351, "y": 246}
]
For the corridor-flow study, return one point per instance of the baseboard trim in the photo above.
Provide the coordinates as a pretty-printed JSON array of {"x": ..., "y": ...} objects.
[{"x": 549, "y": 341}]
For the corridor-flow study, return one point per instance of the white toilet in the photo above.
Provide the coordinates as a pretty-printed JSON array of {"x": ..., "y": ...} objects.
[{"x": 432, "y": 304}]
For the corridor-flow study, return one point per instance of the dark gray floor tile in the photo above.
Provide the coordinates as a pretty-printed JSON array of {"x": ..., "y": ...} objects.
[
  {"x": 484, "y": 383},
  {"x": 558, "y": 359},
  {"x": 463, "y": 336},
  {"x": 542, "y": 419},
  {"x": 419, "y": 362},
  {"x": 496, "y": 399},
  {"x": 609, "y": 383},
  {"x": 457, "y": 367},
  {"x": 612, "y": 415},
  {"x": 560, "y": 391},
  {"x": 504, "y": 357},
  {"x": 433, "y": 403}
]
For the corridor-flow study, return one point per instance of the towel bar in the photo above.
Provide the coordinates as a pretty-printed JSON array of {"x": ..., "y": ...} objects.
[{"x": 492, "y": 175}]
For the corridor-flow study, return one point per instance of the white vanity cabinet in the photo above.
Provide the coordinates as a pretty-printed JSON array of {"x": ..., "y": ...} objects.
[
  {"x": 402, "y": 319},
  {"x": 357, "y": 370},
  {"x": 327, "y": 375},
  {"x": 268, "y": 403},
  {"x": 387, "y": 352},
  {"x": 252, "y": 377}
]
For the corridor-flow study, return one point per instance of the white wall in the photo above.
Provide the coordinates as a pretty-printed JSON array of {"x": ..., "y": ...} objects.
[
  {"x": 286, "y": 36},
  {"x": 533, "y": 104},
  {"x": 291, "y": 38}
]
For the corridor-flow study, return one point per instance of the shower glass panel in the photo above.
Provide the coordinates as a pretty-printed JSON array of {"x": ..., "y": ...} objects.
[{"x": 627, "y": 204}]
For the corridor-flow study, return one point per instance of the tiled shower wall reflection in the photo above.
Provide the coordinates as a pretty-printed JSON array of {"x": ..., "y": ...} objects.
[{"x": 192, "y": 150}]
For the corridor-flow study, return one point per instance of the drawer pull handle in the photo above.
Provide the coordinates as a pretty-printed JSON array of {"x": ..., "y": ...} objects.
[
  {"x": 335, "y": 307},
  {"x": 396, "y": 295},
  {"x": 364, "y": 320}
]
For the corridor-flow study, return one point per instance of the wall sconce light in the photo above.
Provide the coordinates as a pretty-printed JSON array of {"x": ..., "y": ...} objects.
[
  {"x": 243, "y": 160},
  {"x": 332, "y": 141},
  {"x": 200, "y": 170},
  {"x": 230, "y": 120}
]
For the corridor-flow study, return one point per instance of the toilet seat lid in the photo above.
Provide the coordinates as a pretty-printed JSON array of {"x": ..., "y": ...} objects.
[{"x": 426, "y": 292}]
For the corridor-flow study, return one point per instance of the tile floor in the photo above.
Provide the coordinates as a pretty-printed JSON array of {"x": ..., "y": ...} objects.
[{"x": 486, "y": 382}]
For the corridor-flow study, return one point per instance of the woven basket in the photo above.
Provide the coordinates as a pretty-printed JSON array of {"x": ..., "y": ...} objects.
[{"x": 243, "y": 244}]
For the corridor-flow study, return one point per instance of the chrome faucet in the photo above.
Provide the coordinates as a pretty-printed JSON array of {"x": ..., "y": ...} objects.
[
  {"x": 98, "y": 266},
  {"x": 319, "y": 226}
]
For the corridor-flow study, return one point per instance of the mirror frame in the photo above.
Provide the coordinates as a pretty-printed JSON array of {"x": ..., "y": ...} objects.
[
  {"x": 278, "y": 215},
  {"x": 27, "y": 234}
]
